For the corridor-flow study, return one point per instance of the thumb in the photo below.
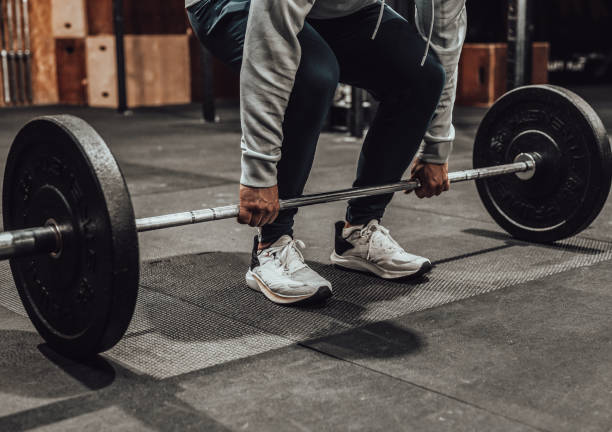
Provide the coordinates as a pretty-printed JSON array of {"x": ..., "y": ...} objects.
[{"x": 244, "y": 216}]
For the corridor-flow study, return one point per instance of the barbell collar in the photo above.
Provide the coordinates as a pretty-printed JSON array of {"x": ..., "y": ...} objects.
[{"x": 31, "y": 241}]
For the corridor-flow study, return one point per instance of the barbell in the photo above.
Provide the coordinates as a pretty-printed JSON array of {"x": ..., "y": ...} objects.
[{"x": 542, "y": 162}]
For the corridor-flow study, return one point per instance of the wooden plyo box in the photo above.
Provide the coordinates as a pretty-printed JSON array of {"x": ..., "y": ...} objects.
[
  {"x": 101, "y": 71},
  {"x": 71, "y": 71},
  {"x": 68, "y": 18},
  {"x": 157, "y": 70},
  {"x": 483, "y": 72}
]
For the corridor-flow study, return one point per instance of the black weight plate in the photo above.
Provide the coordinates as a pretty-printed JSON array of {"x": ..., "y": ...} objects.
[
  {"x": 82, "y": 300},
  {"x": 573, "y": 180}
]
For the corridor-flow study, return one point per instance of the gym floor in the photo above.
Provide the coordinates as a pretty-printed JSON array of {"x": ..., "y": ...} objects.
[{"x": 502, "y": 335}]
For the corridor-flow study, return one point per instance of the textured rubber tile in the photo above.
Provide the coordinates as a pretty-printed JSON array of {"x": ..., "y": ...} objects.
[
  {"x": 485, "y": 263},
  {"x": 205, "y": 295},
  {"x": 195, "y": 311},
  {"x": 167, "y": 336},
  {"x": 182, "y": 338}
]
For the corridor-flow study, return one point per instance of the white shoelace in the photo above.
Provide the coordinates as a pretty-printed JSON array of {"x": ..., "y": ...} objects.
[
  {"x": 390, "y": 245},
  {"x": 289, "y": 256}
]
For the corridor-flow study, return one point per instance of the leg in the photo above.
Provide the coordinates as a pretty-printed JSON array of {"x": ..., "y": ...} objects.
[
  {"x": 223, "y": 35},
  {"x": 389, "y": 67},
  {"x": 315, "y": 84}
]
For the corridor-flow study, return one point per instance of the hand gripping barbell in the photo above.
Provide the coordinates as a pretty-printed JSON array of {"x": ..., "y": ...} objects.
[{"x": 73, "y": 243}]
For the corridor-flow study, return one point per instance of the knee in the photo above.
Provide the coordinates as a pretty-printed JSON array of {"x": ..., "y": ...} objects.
[
  {"x": 319, "y": 81},
  {"x": 434, "y": 80},
  {"x": 424, "y": 84}
]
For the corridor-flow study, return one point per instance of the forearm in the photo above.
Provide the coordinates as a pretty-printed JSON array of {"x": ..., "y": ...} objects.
[
  {"x": 270, "y": 61},
  {"x": 449, "y": 31}
]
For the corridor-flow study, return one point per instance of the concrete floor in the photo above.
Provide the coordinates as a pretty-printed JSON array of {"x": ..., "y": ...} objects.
[{"x": 503, "y": 335}]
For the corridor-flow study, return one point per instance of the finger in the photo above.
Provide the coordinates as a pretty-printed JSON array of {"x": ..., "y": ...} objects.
[
  {"x": 257, "y": 220},
  {"x": 440, "y": 188},
  {"x": 244, "y": 216},
  {"x": 267, "y": 217},
  {"x": 430, "y": 191},
  {"x": 265, "y": 220},
  {"x": 420, "y": 193},
  {"x": 272, "y": 213},
  {"x": 447, "y": 185}
]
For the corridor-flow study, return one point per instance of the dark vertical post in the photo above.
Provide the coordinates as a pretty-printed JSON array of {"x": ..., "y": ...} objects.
[
  {"x": 208, "y": 86},
  {"x": 120, "y": 48},
  {"x": 520, "y": 43}
]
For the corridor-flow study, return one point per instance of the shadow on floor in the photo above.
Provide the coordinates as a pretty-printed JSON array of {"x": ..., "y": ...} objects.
[
  {"x": 511, "y": 241},
  {"x": 59, "y": 389},
  {"x": 107, "y": 392}
]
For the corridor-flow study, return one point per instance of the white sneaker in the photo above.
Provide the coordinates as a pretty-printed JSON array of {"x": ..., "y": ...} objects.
[
  {"x": 281, "y": 274},
  {"x": 371, "y": 248}
]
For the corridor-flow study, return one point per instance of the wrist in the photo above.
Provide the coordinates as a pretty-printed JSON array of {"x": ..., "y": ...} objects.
[
  {"x": 434, "y": 162},
  {"x": 274, "y": 186}
]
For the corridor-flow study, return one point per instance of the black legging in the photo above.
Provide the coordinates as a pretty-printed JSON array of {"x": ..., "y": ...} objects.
[{"x": 334, "y": 50}]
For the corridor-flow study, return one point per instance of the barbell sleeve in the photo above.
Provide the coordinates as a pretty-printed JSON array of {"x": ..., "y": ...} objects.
[
  {"x": 29, "y": 241},
  {"x": 232, "y": 211}
]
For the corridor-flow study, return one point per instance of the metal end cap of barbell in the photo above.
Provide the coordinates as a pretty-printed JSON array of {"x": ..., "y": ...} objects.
[{"x": 532, "y": 159}]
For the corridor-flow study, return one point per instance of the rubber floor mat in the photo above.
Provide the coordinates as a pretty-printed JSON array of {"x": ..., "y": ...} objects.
[{"x": 195, "y": 311}]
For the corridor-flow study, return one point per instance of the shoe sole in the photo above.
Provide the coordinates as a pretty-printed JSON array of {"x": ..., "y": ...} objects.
[
  {"x": 256, "y": 284},
  {"x": 359, "y": 264}
]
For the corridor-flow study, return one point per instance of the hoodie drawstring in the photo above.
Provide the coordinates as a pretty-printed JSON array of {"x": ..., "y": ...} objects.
[
  {"x": 431, "y": 27},
  {"x": 380, "y": 17}
]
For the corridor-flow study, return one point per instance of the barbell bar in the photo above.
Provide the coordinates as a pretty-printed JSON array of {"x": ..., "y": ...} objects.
[
  {"x": 524, "y": 163},
  {"x": 72, "y": 237},
  {"x": 48, "y": 238}
]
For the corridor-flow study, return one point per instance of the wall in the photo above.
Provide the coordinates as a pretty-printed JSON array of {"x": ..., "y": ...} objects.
[{"x": 73, "y": 52}]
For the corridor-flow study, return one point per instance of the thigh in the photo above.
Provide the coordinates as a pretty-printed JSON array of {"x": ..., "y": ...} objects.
[
  {"x": 220, "y": 25},
  {"x": 390, "y": 62}
]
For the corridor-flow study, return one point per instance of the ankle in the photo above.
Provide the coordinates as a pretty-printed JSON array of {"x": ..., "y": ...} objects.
[{"x": 263, "y": 246}]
